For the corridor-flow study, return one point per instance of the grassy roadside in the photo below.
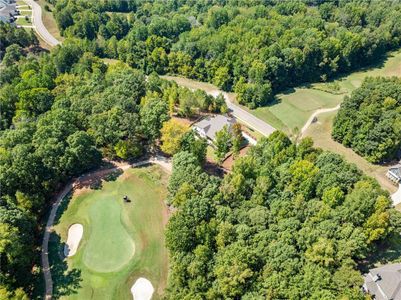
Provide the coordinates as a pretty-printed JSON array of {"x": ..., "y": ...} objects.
[{"x": 49, "y": 21}]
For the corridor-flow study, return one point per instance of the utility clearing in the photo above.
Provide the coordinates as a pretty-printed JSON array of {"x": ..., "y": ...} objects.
[
  {"x": 75, "y": 233},
  {"x": 142, "y": 289}
]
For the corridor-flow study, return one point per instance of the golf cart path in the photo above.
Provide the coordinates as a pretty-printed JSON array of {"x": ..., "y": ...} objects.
[
  {"x": 40, "y": 28},
  {"x": 164, "y": 162},
  {"x": 315, "y": 114}
]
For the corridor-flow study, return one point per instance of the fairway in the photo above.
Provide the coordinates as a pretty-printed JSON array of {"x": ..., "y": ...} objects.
[
  {"x": 293, "y": 108},
  {"x": 121, "y": 241}
]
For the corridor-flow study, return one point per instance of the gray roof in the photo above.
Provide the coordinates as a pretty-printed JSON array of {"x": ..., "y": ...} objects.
[
  {"x": 6, "y": 11},
  {"x": 396, "y": 170},
  {"x": 212, "y": 125},
  {"x": 388, "y": 286}
]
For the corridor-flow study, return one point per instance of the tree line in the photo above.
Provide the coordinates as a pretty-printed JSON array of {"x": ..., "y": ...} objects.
[
  {"x": 289, "y": 222},
  {"x": 369, "y": 121},
  {"x": 255, "y": 48}
]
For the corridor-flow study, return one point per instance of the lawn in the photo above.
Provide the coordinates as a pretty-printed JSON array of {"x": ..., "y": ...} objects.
[
  {"x": 121, "y": 241},
  {"x": 23, "y": 22},
  {"x": 320, "y": 132},
  {"x": 25, "y": 12},
  {"x": 293, "y": 108}
]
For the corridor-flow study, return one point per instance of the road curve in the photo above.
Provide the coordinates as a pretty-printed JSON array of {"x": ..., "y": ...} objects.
[
  {"x": 315, "y": 114},
  {"x": 165, "y": 163},
  {"x": 40, "y": 28}
]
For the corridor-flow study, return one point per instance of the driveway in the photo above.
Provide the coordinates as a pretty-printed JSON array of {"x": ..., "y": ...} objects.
[
  {"x": 396, "y": 197},
  {"x": 238, "y": 112},
  {"x": 39, "y": 26}
]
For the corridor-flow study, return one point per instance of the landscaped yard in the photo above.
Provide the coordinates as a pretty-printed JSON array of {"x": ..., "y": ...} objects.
[
  {"x": 23, "y": 22},
  {"x": 26, "y": 12},
  {"x": 121, "y": 241}
]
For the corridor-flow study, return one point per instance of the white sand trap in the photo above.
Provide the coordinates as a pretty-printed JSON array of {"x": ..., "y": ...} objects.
[
  {"x": 142, "y": 289},
  {"x": 75, "y": 233}
]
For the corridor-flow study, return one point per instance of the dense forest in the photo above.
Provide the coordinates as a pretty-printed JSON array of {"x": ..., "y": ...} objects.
[
  {"x": 289, "y": 222},
  {"x": 60, "y": 114},
  {"x": 255, "y": 48},
  {"x": 369, "y": 121}
]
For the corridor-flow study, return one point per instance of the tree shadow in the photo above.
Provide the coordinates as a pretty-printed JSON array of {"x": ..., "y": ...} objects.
[
  {"x": 387, "y": 251},
  {"x": 65, "y": 281},
  {"x": 62, "y": 207}
]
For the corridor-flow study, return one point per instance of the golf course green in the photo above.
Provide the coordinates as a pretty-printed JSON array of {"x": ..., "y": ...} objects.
[{"x": 121, "y": 241}]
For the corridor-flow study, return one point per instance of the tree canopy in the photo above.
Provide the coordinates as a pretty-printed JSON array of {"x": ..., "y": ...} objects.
[
  {"x": 256, "y": 48},
  {"x": 369, "y": 121},
  {"x": 289, "y": 222}
]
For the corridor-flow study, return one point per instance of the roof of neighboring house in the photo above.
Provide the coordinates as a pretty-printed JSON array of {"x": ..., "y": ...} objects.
[
  {"x": 6, "y": 11},
  {"x": 213, "y": 124},
  {"x": 396, "y": 170},
  {"x": 384, "y": 282}
]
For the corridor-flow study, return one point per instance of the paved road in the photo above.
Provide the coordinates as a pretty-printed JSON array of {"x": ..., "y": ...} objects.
[
  {"x": 315, "y": 114},
  {"x": 238, "y": 112},
  {"x": 248, "y": 118},
  {"x": 39, "y": 26},
  {"x": 165, "y": 163}
]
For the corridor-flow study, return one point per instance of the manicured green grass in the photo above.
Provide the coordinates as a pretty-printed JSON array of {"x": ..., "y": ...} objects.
[
  {"x": 26, "y": 13},
  {"x": 293, "y": 108},
  {"x": 22, "y": 21},
  {"x": 121, "y": 241}
]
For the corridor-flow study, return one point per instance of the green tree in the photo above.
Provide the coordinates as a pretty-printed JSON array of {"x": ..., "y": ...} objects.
[{"x": 222, "y": 143}]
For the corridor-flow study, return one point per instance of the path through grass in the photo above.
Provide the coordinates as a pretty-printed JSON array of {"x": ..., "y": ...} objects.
[{"x": 293, "y": 108}]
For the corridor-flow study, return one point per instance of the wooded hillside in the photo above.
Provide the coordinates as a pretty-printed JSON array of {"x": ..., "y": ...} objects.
[
  {"x": 289, "y": 222},
  {"x": 253, "y": 47}
]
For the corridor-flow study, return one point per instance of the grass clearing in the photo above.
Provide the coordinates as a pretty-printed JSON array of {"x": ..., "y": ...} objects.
[
  {"x": 121, "y": 241},
  {"x": 320, "y": 132},
  {"x": 293, "y": 108}
]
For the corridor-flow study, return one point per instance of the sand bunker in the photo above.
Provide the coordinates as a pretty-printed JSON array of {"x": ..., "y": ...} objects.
[
  {"x": 142, "y": 289},
  {"x": 75, "y": 233}
]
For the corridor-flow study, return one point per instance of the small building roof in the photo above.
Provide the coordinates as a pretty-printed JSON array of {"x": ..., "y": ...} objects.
[
  {"x": 396, "y": 171},
  {"x": 7, "y": 10},
  {"x": 213, "y": 124},
  {"x": 384, "y": 282}
]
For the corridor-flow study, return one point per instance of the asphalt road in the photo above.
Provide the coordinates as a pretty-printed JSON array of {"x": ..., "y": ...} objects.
[
  {"x": 237, "y": 111},
  {"x": 39, "y": 26},
  {"x": 246, "y": 117}
]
